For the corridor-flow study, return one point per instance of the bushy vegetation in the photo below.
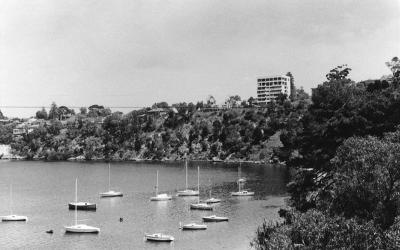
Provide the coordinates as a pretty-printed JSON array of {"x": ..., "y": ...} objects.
[
  {"x": 160, "y": 133},
  {"x": 344, "y": 154}
]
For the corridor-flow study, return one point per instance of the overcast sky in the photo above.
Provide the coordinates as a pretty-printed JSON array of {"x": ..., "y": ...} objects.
[{"x": 135, "y": 53}]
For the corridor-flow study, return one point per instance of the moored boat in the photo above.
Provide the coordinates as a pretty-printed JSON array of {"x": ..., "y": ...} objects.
[
  {"x": 200, "y": 205},
  {"x": 212, "y": 200},
  {"x": 110, "y": 193},
  {"x": 79, "y": 228},
  {"x": 193, "y": 226},
  {"x": 242, "y": 193},
  {"x": 14, "y": 218},
  {"x": 241, "y": 182},
  {"x": 82, "y": 206},
  {"x": 160, "y": 197},
  {"x": 214, "y": 218},
  {"x": 159, "y": 237},
  {"x": 187, "y": 191}
]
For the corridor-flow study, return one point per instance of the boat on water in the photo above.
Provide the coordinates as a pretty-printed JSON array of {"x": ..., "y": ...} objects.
[
  {"x": 110, "y": 193},
  {"x": 79, "y": 228},
  {"x": 214, "y": 218},
  {"x": 200, "y": 205},
  {"x": 13, "y": 217},
  {"x": 82, "y": 206},
  {"x": 240, "y": 183},
  {"x": 159, "y": 237},
  {"x": 187, "y": 191},
  {"x": 242, "y": 193},
  {"x": 212, "y": 199},
  {"x": 193, "y": 226},
  {"x": 160, "y": 197}
]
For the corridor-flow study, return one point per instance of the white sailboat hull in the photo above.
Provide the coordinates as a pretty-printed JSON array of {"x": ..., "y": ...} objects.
[
  {"x": 14, "y": 218},
  {"x": 161, "y": 197},
  {"x": 242, "y": 193},
  {"x": 188, "y": 192},
  {"x": 82, "y": 228},
  {"x": 194, "y": 226},
  {"x": 214, "y": 218},
  {"x": 212, "y": 200},
  {"x": 159, "y": 237},
  {"x": 111, "y": 194},
  {"x": 201, "y": 206}
]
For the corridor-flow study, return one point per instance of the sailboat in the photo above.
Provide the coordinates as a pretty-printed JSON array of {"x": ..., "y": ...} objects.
[
  {"x": 160, "y": 197},
  {"x": 187, "y": 192},
  {"x": 241, "y": 182},
  {"x": 193, "y": 226},
  {"x": 13, "y": 217},
  {"x": 212, "y": 199},
  {"x": 198, "y": 205},
  {"x": 159, "y": 237},
  {"x": 79, "y": 228},
  {"x": 110, "y": 193},
  {"x": 214, "y": 218}
]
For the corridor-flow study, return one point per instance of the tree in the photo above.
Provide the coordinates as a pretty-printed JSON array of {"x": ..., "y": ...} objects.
[
  {"x": 54, "y": 113},
  {"x": 233, "y": 101},
  {"x": 1, "y": 115},
  {"x": 394, "y": 66},
  {"x": 42, "y": 114},
  {"x": 251, "y": 101},
  {"x": 339, "y": 73},
  {"x": 83, "y": 110},
  {"x": 366, "y": 180},
  {"x": 210, "y": 101},
  {"x": 160, "y": 105}
]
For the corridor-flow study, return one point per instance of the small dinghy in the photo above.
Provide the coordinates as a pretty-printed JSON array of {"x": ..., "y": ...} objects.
[
  {"x": 187, "y": 192},
  {"x": 110, "y": 193},
  {"x": 160, "y": 197},
  {"x": 214, "y": 218},
  {"x": 159, "y": 237},
  {"x": 193, "y": 226},
  {"x": 79, "y": 228},
  {"x": 13, "y": 217},
  {"x": 82, "y": 206}
]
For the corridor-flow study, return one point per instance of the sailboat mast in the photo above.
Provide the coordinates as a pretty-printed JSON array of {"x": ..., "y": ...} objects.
[
  {"x": 198, "y": 184},
  {"x": 239, "y": 174},
  {"x": 76, "y": 201},
  {"x": 109, "y": 174},
  {"x": 157, "y": 184},
  {"x": 11, "y": 199},
  {"x": 186, "y": 185}
]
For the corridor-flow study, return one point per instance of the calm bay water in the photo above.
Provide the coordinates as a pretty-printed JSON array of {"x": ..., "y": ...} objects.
[{"x": 42, "y": 190}]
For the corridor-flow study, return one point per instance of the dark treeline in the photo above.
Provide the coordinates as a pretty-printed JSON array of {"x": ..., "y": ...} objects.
[
  {"x": 163, "y": 132},
  {"x": 344, "y": 154}
]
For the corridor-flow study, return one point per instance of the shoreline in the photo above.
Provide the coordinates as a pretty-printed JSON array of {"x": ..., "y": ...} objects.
[{"x": 146, "y": 160}]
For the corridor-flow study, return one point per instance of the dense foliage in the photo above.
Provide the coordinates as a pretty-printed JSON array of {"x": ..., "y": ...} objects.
[
  {"x": 344, "y": 154},
  {"x": 159, "y": 133}
]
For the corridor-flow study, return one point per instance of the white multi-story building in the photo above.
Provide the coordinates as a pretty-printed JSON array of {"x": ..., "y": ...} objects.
[{"x": 269, "y": 87}]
